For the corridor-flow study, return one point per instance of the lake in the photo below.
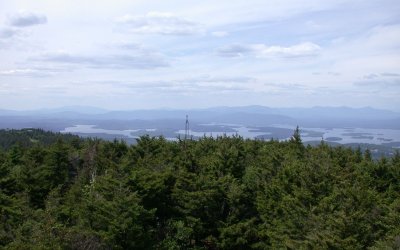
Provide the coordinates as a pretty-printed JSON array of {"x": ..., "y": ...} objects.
[{"x": 278, "y": 131}]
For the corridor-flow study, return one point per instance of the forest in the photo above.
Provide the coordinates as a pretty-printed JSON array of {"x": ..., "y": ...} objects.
[{"x": 64, "y": 192}]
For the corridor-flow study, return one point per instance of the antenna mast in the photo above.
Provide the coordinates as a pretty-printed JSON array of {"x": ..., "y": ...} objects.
[{"x": 187, "y": 128}]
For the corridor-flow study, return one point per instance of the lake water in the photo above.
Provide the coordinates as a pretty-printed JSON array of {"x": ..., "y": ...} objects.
[
  {"x": 245, "y": 132},
  {"x": 357, "y": 135},
  {"x": 92, "y": 129},
  {"x": 339, "y": 135}
]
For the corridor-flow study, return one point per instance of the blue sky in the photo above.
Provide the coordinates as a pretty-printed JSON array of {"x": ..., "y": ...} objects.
[{"x": 193, "y": 54}]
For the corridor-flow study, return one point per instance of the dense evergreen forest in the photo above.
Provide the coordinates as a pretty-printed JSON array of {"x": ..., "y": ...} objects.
[
  {"x": 28, "y": 137},
  {"x": 63, "y": 192}
]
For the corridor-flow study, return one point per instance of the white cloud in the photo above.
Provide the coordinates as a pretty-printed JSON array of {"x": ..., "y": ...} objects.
[
  {"x": 133, "y": 61},
  {"x": 380, "y": 83},
  {"x": 302, "y": 49},
  {"x": 32, "y": 72},
  {"x": 384, "y": 37},
  {"x": 191, "y": 85},
  {"x": 383, "y": 82},
  {"x": 220, "y": 33},
  {"x": 262, "y": 50},
  {"x": 376, "y": 49},
  {"x": 160, "y": 23},
  {"x": 279, "y": 41},
  {"x": 18, "y": 72},
  {"x": 24, "y": 19},
  {"x": 128, "y": 45}
]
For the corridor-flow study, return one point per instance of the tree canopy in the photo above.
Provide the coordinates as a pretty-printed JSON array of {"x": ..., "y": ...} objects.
[{"x": 211, "y": 193}]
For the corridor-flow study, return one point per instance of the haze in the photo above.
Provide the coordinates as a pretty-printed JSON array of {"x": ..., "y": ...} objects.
[{"x": 197, "y": 54}]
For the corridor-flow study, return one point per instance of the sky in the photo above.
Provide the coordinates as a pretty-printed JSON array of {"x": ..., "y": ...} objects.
[{"x": 146, "y": 54}]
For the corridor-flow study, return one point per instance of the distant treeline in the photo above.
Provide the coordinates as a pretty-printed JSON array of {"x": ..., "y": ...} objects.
[
  {"x": 28, "y": 137},
  {"x": 63, "y": 192}
]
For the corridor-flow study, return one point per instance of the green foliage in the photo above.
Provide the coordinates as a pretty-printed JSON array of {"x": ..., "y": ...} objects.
[
  {"x": 63, "y": 192},
  {"x": 29, "y": 137}
]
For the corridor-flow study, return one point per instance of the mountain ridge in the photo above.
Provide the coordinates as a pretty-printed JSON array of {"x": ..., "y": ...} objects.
[{"x": 254, "y": 115}]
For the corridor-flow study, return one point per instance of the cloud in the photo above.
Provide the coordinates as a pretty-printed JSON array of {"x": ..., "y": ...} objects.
[
  {"x": 32, "y": 72},
  {"x": 370, "y": 76},
  {"x": 135, "y": 61},
  {"x": 381, "y": 76},
  {"x": 179, "y": 87},
  {"x": 200, "y": 84},
  {"x": 302, "y": 49},
  {"x": 160, "y": 23},
  {"x": 384, "y": 37},
  {"x": 235, "y": 50},
  {"x": 382, "y": 82},
  {"x": 7, "y": 38},
  {"x": 8, "y": 33},
  {"x": 203, "y": 85},
  {"x": 211, "y": 83},
  {"x": 161, "y": 87},
  {"x": 262, "y": 50},
  {"x": 18, "y": 72},
  {"x": 133, "y": 47},
  {"x": 390, "y": 74},
  {"x": 129, "y": 46},
  {"x": 24, "y": 19},
  {"x": 220, "y": 33},
  {"x": 333, "y": 73},
  {"x": 219, "y": 79}
]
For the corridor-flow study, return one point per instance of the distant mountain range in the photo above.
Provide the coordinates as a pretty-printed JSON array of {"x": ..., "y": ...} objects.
[{"x": 59, "y": 118}]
